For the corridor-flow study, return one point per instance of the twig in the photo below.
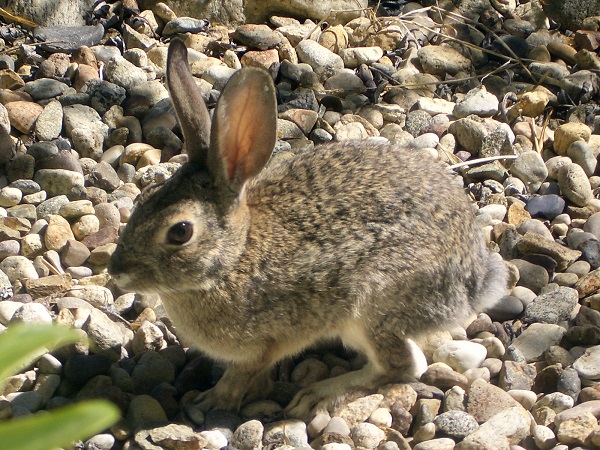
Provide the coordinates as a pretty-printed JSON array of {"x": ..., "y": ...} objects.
[{"x": 473, "y": 162}]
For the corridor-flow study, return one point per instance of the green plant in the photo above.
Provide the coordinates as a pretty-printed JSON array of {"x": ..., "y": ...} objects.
[{"x": 19, "y": 347}]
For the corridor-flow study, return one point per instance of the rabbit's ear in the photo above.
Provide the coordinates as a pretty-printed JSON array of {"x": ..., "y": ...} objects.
[
  {"x": 188, "y": 103},
  {"x": 244, "y": 128}
]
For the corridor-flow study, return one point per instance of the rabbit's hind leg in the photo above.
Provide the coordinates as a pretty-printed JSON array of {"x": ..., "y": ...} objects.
[
  {"x": 328, "y": 395},
  {"x": 391, "y": 359}
]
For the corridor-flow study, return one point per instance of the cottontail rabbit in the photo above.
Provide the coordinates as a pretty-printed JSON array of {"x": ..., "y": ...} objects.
[{"x": 359, "y": 240}]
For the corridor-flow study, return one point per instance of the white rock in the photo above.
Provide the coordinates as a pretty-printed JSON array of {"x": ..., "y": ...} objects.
[
  {"x": 435, "y": 106},
  {"x": 336, "y": 446},
  {"x": 123, "y": 73},
  {"x": 10, "y": 196},
  {"x": 218, "y": 75},
  {"x": 354, "y": 57},
  {"x": 460, "y": 355},
  {"x": 289, "y": 431},
  {"x": 367, "y": 435},
  {"x": 381, "y": 417},
  {"x": 544, "y": 437},
  {"x": 31, "y": 313},
  {"x": 436, "y": 444},
  {"x": 425, "y": 140},
  {"x": 18, "y": 268},
  {"x": 588, "y": 365},
  {"x": 477, "y": 101},
  {"x": 215, "y": 439},
  {"x": 495, "y": 210},
  {"x": 318, "y": 57},
  {"x": 7, "y": 310},
  {"x": 530, "y": 168},
  {"x": 503, "y": 429},
  {"x": 526, "y": 398},
  {"x": 556, "y": 401}
]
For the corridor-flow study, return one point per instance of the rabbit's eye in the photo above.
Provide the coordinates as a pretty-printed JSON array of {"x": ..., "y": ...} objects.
[{"x": 180, "y": 233}]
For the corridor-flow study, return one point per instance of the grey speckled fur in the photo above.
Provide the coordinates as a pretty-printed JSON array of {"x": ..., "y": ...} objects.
[{"x": 368, "y": 242}]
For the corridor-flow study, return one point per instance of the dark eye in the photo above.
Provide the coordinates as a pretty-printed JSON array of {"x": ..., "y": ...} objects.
[{"x": 180, "y": 233}]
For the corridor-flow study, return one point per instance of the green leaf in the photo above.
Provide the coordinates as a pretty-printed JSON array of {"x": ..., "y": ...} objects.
[
  {"x": 21, "y": 344},
  {"x": 59, "y": 427}
]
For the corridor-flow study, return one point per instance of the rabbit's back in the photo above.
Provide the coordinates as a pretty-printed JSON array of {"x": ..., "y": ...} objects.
[{"x": 367, "y": 230}]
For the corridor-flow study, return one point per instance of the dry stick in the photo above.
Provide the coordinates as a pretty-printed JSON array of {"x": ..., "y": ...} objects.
[
  {"x": 14, "y": 48},
  {"x": 455, "y": 80},
  {"x": 469, "y": 23},
  {"x": 473, "y": 162}
]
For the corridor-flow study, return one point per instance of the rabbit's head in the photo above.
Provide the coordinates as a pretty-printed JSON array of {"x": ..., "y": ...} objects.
[{"x": 187, "y": 230}]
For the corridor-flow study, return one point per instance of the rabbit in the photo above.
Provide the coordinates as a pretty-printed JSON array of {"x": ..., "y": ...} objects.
[{"x": 255, "y": 260}]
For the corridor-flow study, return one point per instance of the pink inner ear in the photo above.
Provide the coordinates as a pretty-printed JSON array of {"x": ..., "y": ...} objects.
[{"x": 242, "y": 134}]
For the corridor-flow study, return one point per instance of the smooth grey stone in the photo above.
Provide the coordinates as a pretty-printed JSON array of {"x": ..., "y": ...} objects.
[
  {"x": 67, "y": 39},
  {"x": 184, "y": 25}
]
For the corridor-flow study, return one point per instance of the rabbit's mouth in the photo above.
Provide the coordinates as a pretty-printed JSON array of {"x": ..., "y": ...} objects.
[{"x": 124, "y": 281}]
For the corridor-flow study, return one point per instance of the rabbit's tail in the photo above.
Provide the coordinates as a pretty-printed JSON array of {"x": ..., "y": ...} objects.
[{"x": 494, "y": 285}]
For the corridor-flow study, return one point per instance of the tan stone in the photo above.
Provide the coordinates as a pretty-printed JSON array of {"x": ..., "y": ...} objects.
[{"x": 568, "y": 133}]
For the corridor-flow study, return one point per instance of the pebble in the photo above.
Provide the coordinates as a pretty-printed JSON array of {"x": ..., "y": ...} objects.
[
  {"x": 477, "y": 101},
  {"x": 577, "y": 430},
  {"x": 184, "y": 25},
  {"x": 354, "y": 57},
  {"x": 123, "y": 73},
  {"x": 455, "y": 424},
  {"x": 588, "y": 365},
  {"x": 581, "y": 153},
  {"x": 442, "y": 60},
  {"x": 461, "y": 355},
  {"x": 50, "y": 121},
  {"x": 31, "y": 313},
  {"x": 574, "y": 184},
  {"x": 291, "y": 432},
  {"x": 553, "y": 307},
  {"x": 531, "y": 276},
  {"x": 145, "y": 411},
  {"x": 361, "y": 409},
  {"x": 529, "y": 167},
  {"x": 567, "y": 133},
  {"x": 23, "y": 115},
  {"x": 508, "y": 426},
  {"x": 104, "y": 441},
  {"x": 106, "y": 336},
  {"x": 545, "y": 206},
  {"x": 18, "y": 268},
  {"x": 536, "y": 339},
  {"x": 318, "y": 57},
  {"x": 248, "y": 436},
  {"x": 367, "y": 435}
]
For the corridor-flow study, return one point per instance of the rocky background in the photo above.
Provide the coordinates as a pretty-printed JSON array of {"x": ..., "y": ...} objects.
[{"x": 505, "y": 92}]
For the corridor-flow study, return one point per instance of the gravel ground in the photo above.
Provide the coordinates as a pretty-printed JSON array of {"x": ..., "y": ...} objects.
[{"x": 86, "y": 125}]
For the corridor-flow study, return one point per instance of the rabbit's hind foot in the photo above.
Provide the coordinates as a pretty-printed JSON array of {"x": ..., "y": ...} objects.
[{"x": 330, "y": 395}]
